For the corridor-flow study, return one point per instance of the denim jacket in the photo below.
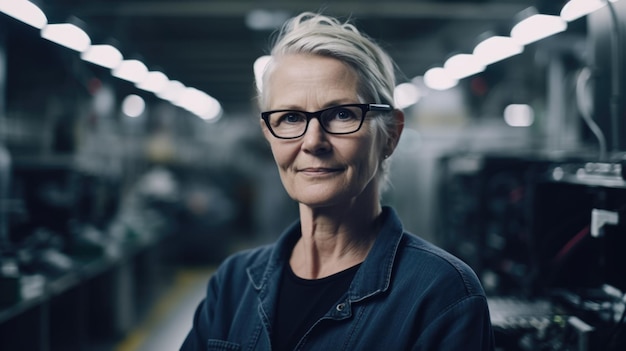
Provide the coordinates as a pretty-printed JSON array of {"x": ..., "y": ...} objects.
[{"x": 407, "y": 295}]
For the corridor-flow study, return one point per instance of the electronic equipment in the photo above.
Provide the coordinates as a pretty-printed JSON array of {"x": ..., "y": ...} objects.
[{"x": 547, "y": 239}]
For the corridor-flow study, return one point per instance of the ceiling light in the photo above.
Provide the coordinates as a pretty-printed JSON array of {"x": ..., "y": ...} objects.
[
  {"x": 519, "y": 115},
  {"x": 211, "y": 111},
  {"x": 463, "y": 65},
  {"x": 260, "y": 64},
  {"x": 133, "y": 106},
  {"x": 439, "y": 79},
  {"x": 405, "y": 95},
  {"x": 199, "y": 103},
  {"x": 537, "y": 27},
  {"x": 154, "y": 81},
  {"x": 24, "y": 11},
  {"x": 579, "y": 8},
  {"x": 172, "y": 91},
  {"x": 102, "y": 55},
  {"x": 131, "y": 70},
  {"x": 68, "y": 35},
  {"x": 496, "y": 48}
]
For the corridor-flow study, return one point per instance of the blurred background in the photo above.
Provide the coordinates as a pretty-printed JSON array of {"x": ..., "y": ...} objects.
[{"x": 132, "y": 162}]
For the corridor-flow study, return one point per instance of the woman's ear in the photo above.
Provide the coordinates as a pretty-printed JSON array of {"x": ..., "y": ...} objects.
[{"x": 394, "y": 136}]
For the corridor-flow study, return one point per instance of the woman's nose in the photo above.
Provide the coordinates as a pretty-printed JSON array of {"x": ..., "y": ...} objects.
[{"x": 315, "y": 138}]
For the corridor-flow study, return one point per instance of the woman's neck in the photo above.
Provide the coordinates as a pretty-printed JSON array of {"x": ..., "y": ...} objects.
[{"x": 334, "y": 239}]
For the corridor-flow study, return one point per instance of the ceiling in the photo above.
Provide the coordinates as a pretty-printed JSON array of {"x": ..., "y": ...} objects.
[{"x": 207, "y": 44}]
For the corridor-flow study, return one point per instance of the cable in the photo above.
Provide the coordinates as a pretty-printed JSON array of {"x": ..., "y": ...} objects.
[
  {"x": 582, "y": 79},
  {"x": 573, "y": 242}
]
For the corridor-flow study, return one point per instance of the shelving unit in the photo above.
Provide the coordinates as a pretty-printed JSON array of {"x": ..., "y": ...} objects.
[{"x": 89, "y": 307}]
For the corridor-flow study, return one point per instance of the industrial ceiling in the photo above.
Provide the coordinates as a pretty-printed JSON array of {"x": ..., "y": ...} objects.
[{"x": 209, "y": 45}]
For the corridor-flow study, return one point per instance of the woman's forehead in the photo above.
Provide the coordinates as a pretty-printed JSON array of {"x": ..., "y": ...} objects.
[{"x": 310, "y": 79}]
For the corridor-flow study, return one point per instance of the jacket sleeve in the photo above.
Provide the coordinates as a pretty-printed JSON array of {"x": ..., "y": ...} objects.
[
  {"x": 465, "y": 325},
  {"x": 195, "y": 339},
  {"x": 202, "y": 319}
]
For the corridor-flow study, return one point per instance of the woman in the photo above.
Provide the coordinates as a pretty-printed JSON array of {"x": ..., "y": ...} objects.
[{"x": 345, "y": 276}]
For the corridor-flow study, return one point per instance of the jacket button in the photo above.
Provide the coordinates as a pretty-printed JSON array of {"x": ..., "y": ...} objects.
[{"x": 341, "y": 307}]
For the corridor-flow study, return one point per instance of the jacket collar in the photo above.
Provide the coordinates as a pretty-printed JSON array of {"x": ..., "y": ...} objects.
[{"x": 373, "y": 276}]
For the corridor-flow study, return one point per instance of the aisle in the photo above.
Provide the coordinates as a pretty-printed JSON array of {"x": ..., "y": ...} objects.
[{"x": 166, "y": 326}]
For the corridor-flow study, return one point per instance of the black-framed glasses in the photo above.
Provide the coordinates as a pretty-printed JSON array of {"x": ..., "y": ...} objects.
[{"x": 341, "y": 119}]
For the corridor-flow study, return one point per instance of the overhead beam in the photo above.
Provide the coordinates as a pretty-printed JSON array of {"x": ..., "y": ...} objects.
[{"x": 396, "y": 9}]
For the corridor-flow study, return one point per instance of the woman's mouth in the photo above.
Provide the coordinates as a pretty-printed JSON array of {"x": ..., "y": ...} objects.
[{"x": 318, "y": 170}]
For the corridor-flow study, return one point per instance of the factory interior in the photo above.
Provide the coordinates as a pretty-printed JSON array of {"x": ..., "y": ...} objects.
[{"x": 122, "y": 188}]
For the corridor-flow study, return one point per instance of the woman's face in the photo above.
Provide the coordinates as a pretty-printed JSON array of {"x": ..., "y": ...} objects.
[{"x": 321, "y": 169}]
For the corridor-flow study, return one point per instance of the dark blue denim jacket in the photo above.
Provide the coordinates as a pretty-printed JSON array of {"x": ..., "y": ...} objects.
[{"x": 407, "y": 295}]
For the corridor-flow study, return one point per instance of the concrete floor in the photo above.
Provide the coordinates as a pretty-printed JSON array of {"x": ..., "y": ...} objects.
[{"x": 168, "y": 322}]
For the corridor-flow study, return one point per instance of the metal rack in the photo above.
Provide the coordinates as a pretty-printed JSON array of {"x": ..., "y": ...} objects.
[{"x": 89, "y": 306}]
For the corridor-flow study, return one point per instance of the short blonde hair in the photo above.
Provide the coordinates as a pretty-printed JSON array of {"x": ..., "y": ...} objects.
[{"x": 316, "y": 34}]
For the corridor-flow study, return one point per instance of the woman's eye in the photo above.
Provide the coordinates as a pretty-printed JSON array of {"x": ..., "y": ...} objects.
[
  {"x": 291, "y": 118},
  {"x": 343, "y": 114}
]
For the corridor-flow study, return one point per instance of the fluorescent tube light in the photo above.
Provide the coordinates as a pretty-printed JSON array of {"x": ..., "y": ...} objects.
[
  {"x": 131, "y": 70},
  {"x": 172, "y": 91},
  {"x": 260, "y": 64},
  {"x": 578, "y": 8},
  {"x": 405, "y": 95},
  {"x": 439, "y": 79},
  {"x": 154, "y": 81},
  {"x": 24, "y": 11},
  {"x": 495, "y": 49},
  {"x": 463, "y": 65},
  {"x": 199, "y": 103},
  {"x": 103, "y": 55},
  {"x": 537, "y": 27},
  {"x": 68, "y": 35}
]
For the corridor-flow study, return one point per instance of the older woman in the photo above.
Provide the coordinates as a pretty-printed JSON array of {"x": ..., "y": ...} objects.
[{"x": 346, "y": 276}]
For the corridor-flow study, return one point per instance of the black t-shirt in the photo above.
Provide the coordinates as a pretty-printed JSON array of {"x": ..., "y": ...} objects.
[{"x": 301, "y": 302}]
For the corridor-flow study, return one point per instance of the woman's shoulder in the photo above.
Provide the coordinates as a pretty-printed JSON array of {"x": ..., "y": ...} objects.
[{"x": 426, "y": 260}]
